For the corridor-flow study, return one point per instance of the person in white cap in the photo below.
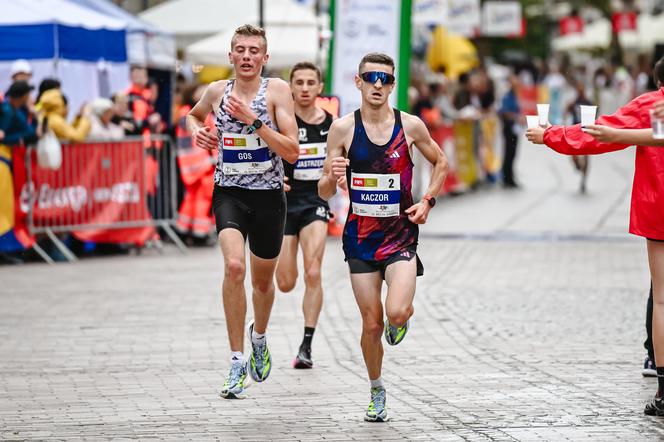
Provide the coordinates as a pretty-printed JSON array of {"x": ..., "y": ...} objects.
[
  {"x": 101, "y": 127},
  {"x": 21, "y": 71}
]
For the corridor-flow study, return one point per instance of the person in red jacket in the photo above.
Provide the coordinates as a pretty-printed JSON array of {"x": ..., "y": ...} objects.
[
  {"x": 197, "y": 172},
  {"x": 647, "y": 205}
]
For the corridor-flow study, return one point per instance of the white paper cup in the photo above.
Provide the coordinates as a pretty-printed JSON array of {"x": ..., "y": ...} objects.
[
  {"x": 532, "y": 121},
  {"x": 588, "y": 115},
  {"x": 543, "y": 113},
  {"x": 657, "y": 126}
]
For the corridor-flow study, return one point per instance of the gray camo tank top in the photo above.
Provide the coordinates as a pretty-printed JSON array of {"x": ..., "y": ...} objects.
[{"x": 273, "y": 178}]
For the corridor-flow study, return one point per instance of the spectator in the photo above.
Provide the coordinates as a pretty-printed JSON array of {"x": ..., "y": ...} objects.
[
  {"x": 14, "y": 126},
  {"x": 462, "y": 95},
  {"x": 122, "y": 115},
  {"x": 581, "y": 162},
  {"x": 21, "y": 71},
  {"x": 101, "y": 126},
  {"x": 46, "y": 85},
  {"x": 53, "y": 111},
  {"x": 510, "y": 115},
  {"x": 14, "y": 130},
  {"x": 442, "y": 100},
  {"x": 139, "y": 101}
]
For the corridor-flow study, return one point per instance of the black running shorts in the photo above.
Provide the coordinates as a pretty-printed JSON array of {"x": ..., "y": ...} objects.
[
  {"x": 361, "y": 266},
  {"x": 258, "y": 214},
  {"x": 296, "y": 221}
]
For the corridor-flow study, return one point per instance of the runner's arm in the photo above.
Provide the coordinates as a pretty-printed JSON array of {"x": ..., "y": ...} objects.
[
  {"x": 639, "y": 137},
  {"x": 202, "y": 135},
  {"x": 335, "y": 164},
  {"x": 433, "y": 153}
]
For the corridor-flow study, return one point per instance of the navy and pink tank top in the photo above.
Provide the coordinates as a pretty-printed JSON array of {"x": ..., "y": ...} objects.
[{"x": 379, "y": 181}]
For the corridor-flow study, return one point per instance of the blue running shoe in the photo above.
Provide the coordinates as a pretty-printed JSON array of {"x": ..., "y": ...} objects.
[
  {"x": 377, "y": 411},
  {"x": 260, "y": 361},
  {"x": 236, "y": 382},
  {"x": 394, "y": 335}
]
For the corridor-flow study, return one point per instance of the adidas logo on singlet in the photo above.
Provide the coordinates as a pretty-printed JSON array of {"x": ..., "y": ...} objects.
[{"x": 395, "y": 155}]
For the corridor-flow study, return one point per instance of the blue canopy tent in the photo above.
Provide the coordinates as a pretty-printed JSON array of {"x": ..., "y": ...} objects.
[
  {"x": 83, "y": 48},
  {"x": 146, "y": 43}
]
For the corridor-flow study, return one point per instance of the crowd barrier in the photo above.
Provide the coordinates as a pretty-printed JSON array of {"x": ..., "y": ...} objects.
[
  {"x": 105, "y": 191},
  {"x": 124, "y": 191}
]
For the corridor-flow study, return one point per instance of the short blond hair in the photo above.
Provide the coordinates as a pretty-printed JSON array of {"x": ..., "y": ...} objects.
[{"x": 249, "y": 31}]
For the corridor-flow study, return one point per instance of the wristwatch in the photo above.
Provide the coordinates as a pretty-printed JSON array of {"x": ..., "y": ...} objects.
[
  {"x": 429, "y": 199},
  {"x": 255, "y": 126}
]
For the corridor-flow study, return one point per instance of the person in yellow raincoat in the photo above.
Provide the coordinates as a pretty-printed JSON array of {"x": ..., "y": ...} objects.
[{"x": 53, "y": 109}]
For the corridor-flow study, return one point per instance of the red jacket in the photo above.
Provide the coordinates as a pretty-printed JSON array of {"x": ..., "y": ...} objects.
[{"x": 647, "y": 211}]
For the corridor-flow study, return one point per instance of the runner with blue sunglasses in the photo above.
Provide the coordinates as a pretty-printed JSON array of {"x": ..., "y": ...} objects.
[{"x": 372, "y": 148}]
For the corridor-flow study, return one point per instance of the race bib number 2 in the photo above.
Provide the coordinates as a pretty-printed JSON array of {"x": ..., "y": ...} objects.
[
  {"x": 377, "y": 195},
  {"x": 244, "y": 154},
  {"x": 309, "y": 166}
]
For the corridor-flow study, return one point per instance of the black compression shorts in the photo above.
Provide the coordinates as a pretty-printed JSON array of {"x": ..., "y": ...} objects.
[
  {"x": 259, "y": 215},
  {"x": 361, "y": 266},
  {"x": 296, "y": 221}
]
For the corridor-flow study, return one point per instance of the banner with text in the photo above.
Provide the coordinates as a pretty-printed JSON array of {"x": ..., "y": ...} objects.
[
  {"x": 361, "y": 27},
  {"x": 98, "y": 184}
]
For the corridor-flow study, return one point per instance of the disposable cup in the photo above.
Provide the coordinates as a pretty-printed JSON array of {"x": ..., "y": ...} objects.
[
  {"x": 657, "y": 124},
  {"x": 588, "y": 115},
  {"x": 543, "y": 113},
  {"x": 532, "y": 121}
]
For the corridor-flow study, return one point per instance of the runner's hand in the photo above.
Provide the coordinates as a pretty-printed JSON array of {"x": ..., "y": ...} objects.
[
  {"x": 535, "y": 135},
  {"x": 341, "y": 182},
  {"x": 418, "y": 212},
  {"x": 659, "y": 109},
  {"x": 286, "y": 185},
  {"x": 205, "y": 138},
  {"x": 603, "y": 134},
  {"x": 239, "y": 110},
  {"x": 339, "y": 165}
]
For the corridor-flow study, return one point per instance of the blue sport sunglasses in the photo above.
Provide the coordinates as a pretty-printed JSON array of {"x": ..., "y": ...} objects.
[{"x": 373, "y": 76}]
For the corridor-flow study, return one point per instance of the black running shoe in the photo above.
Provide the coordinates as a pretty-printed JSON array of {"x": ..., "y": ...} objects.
[
  {"x": 655, "y": 407},
  {"x": 649, "y": 369},
  {"x": 303, "y": 359}
]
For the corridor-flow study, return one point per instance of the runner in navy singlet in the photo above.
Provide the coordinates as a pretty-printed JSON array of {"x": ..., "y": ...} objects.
[
  {"x": 372, "y": 148},
  {"x": 306, "y": 214},
  {"x": 255, "y": 131}
]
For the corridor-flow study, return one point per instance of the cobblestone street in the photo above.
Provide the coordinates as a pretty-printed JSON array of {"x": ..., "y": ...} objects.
[{"x": 528, "y": 325}]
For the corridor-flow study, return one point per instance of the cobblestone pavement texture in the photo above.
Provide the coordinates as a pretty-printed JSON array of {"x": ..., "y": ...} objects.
[{"x": 514, "y": 338}]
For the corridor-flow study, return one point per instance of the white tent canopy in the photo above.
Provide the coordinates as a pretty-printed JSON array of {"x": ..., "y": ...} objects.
[
  {"x": 286, "y": 46},
  {"x": 598, "y": 35},
  {"x": 192, "y": 20}
]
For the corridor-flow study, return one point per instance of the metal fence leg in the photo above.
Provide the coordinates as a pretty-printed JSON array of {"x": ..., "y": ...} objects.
[
  {"x": 42, "y": 254},
  {"x": 172, "y": 235},
  {"x": 61, "y": 247}
]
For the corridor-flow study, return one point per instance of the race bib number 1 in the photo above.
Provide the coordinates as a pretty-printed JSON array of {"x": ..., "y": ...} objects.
[
  {"x": 244, "y": 154},
  {"x": 377, "y": 195},
  {"x": 309, "y": 166}
]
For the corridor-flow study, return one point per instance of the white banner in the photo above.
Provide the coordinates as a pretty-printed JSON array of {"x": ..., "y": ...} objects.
[
  {"x": 362, "y": 26},
  {"x": 501, "y": 18},
  {"x": 430, "y": 12},
  {"x": 463, "y": 17}
]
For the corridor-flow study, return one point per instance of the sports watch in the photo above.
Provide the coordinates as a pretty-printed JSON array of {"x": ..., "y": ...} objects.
[
  {"x": 255, "y": 126},
  {"x": 429, "y": 199}
]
